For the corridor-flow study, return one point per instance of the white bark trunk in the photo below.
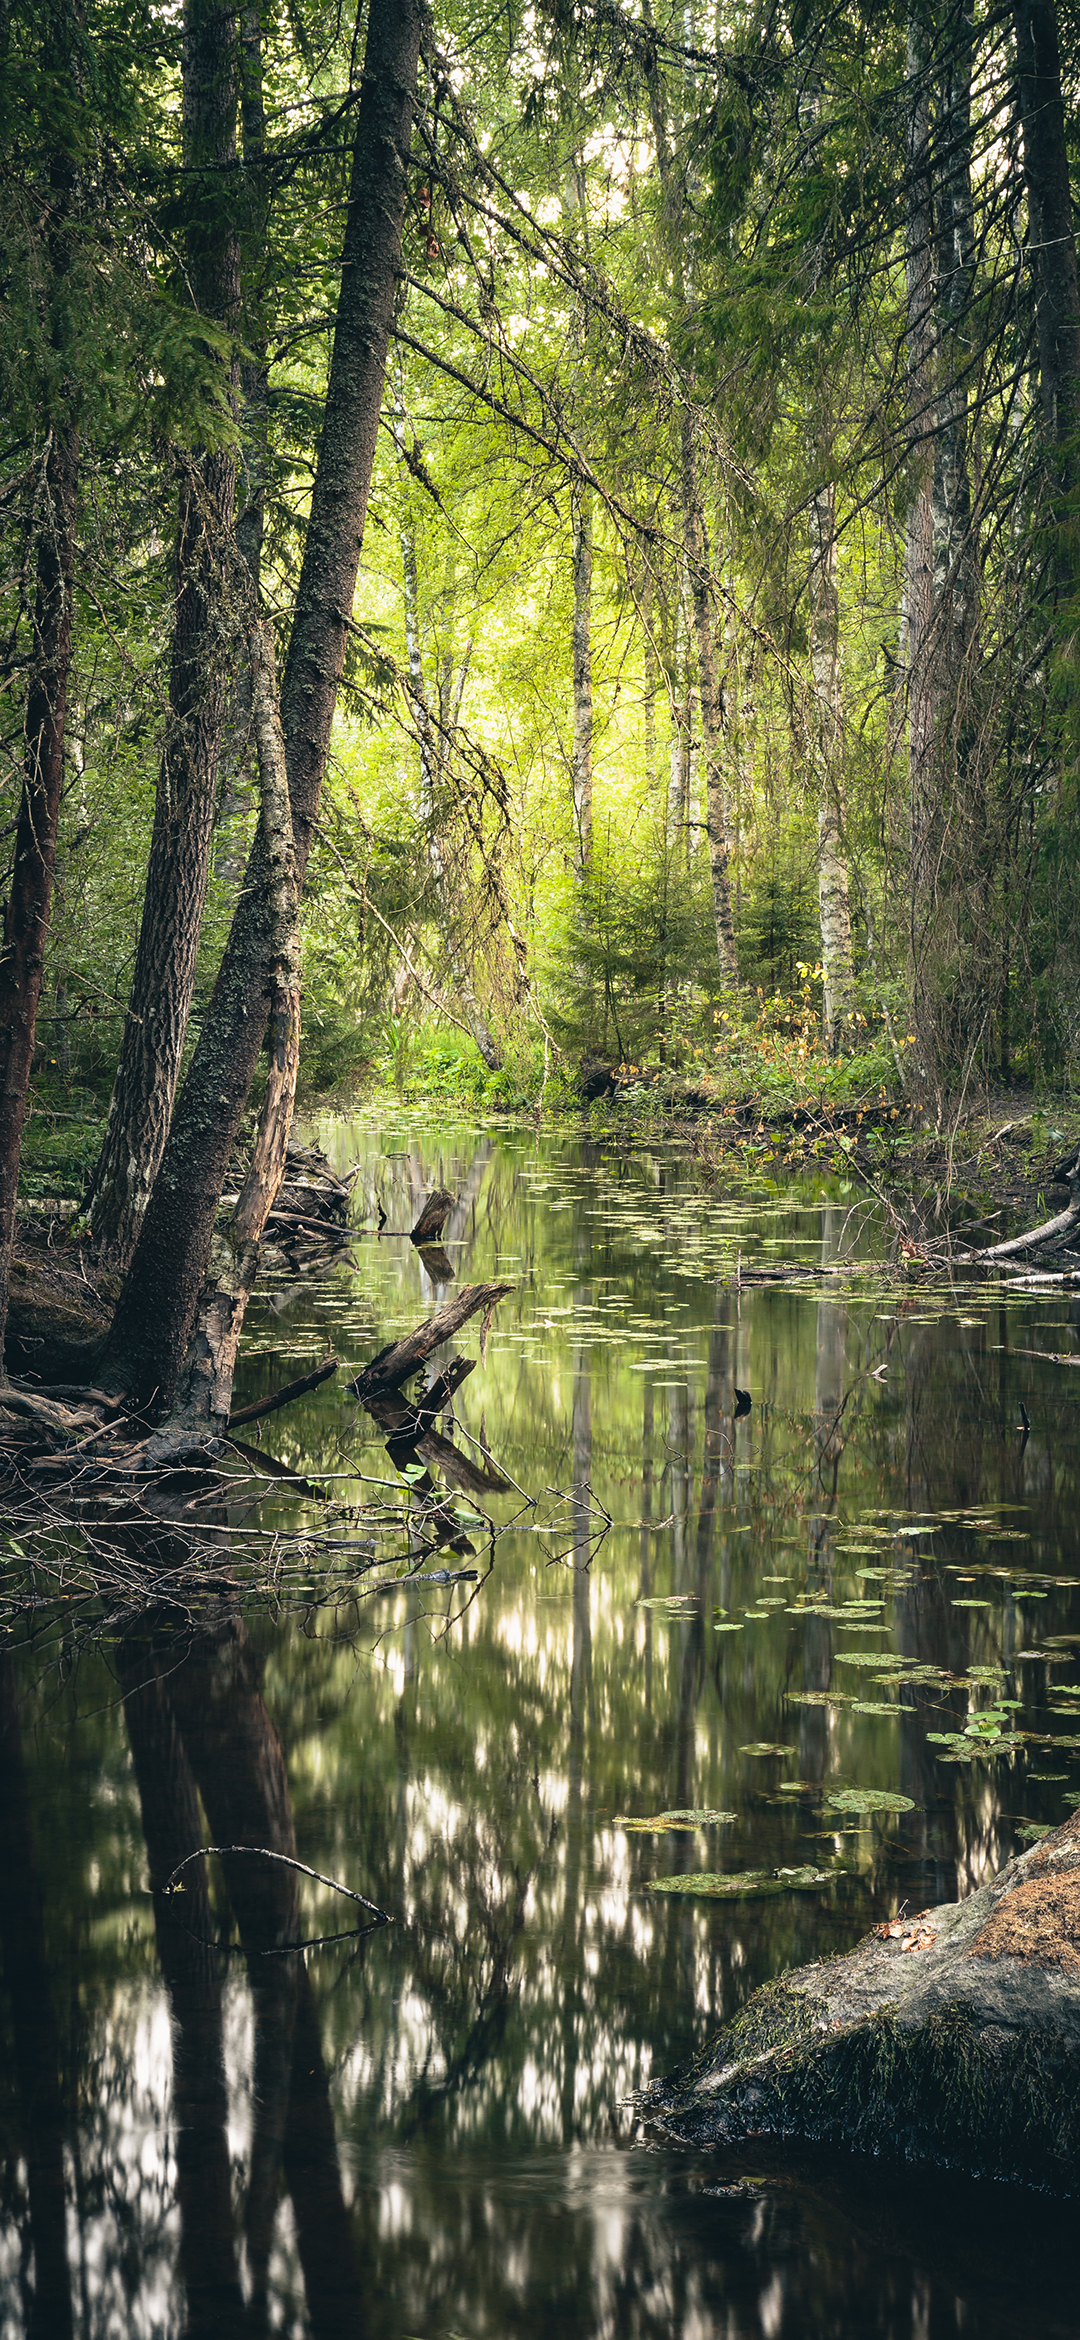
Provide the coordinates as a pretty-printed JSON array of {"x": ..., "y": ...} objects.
[
  {"x": 834, "y": 901},
  {"x": 582, "y": 768}
]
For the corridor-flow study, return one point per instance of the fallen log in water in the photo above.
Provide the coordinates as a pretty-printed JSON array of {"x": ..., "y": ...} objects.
[
  {"x": 951, "y": 2038},
  {"x": 399, "y": 1359},
  {"x": 283, "y": 1396}
]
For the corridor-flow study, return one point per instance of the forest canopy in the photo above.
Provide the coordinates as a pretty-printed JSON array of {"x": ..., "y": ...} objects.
[{"x": 643, "y": 442}]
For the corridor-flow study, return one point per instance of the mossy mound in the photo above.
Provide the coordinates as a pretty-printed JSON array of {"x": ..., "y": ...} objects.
[{"x": 952, "y": 2039}]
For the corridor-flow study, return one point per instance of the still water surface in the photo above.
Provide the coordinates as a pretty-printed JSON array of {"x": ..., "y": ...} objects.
[{"x": 696, "y": 1609}]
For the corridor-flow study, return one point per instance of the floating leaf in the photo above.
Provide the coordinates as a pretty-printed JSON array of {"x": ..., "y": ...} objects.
[
  {"x": 765, "y": 1747},
  {"x": 850, "y": 1613},
  {"x": 820, "y": 1697},
  {"x": 732, "y": 1885},
  {"x": 660, "y": 1821},
  {"x": 869, "y": 1800},
  {"x": 729, "y": 1627},
  {"x": 875, "y": 1706},
  {"x": 664, "y": 1600}
]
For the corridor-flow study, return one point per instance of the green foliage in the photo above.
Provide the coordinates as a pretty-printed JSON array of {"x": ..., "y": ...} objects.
[{"x": 632, "y": 975}]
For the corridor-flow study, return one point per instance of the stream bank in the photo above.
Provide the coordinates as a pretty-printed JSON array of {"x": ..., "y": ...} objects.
[{"x": 950, "y": 2037}]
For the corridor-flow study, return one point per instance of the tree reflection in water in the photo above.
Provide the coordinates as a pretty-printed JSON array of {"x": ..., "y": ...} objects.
[{"x": 418, "y": 2133}]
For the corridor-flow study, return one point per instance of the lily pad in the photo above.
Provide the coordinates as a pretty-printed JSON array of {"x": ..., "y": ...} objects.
[
  {"x": 765, "y": 1747},
  {"x": 869, "y": 1800},
  {"x": 658, "y": 1822},
  {"x": 734, "y": 1884},
  {"x": 820, "y": 1697}
]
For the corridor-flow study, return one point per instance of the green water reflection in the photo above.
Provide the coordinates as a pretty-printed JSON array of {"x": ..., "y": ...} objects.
[{"x": 736, "y": 1614}]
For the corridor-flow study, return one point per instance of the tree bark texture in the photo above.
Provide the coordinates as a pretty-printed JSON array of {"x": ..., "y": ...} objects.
[
  {"x": 235, "y": 794},
  {"x": 916, "y": 632},
  {"x": 712, "y": 706},
  {"x": 203, "y": 1398},
  {"x": 149, "y": 1334},
  {"x": 1051, "y": 239},
  {"x": 834, "y": 902},
  {"x": 955, "y": 559},
  {"x": 581, "y": 533},
  {"x": 203, "y": 645},
  {"x": 26, "y": 913},
  {"x": 834, "y": 899}
]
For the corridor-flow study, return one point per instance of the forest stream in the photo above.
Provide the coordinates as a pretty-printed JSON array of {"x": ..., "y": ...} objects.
[{"x": 756, "y": 1619}]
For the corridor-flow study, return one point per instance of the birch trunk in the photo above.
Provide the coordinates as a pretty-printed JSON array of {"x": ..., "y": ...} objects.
[
  {"x": 682, "y": 717},
  {"x": 834, "y": 903},
  {"x": 695, "y": 546},
  {"x": 916, "y": 644},
  {"x": 712, "y": 708},
  {"x": 582, "y": 766}
]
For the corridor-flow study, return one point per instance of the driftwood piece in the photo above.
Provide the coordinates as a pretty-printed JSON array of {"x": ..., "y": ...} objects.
[
  {"x": 433, "y": 1217},
  {"x": 1051, "y": 1236},
  {"x": 399, "y": 1359},
  {"x": 283, "y": 1396},
  {"x": 430, "y": 1403}
]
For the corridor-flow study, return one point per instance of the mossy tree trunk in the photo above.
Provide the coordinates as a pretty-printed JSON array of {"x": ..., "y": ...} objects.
[
  {"x": 26, "y": 911},
  {"x": 149, "y": 1336},
  {"x": 163, "y": 981}
]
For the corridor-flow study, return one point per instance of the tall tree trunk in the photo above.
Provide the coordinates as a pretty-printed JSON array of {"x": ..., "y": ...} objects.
[
  {"x": 155, "y": 1024},
  {"x": 834, "y": 903},
  {"x": 236, "y": 791},
  {"x": 1051, "y": 245},
  {"x": 956, "y": 581},
  {"x": 834, "y": 895},
  {"x": 582, "y": 765},
  {"x": 680, "y": 811},
  {"x": 434, "y": 747},
  {"x": 916, "y": 637},
  {"x": 26, "y": 912},
  {"x": 149, "y": 1334},
  {"x": 203, "y": 1399},
  {"x": 695, "y": 546},
  {"x": 712, "y": 706}
]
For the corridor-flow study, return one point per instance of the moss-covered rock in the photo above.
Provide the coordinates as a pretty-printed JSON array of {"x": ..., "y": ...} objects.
[{"x": 953, "y": 2038}]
